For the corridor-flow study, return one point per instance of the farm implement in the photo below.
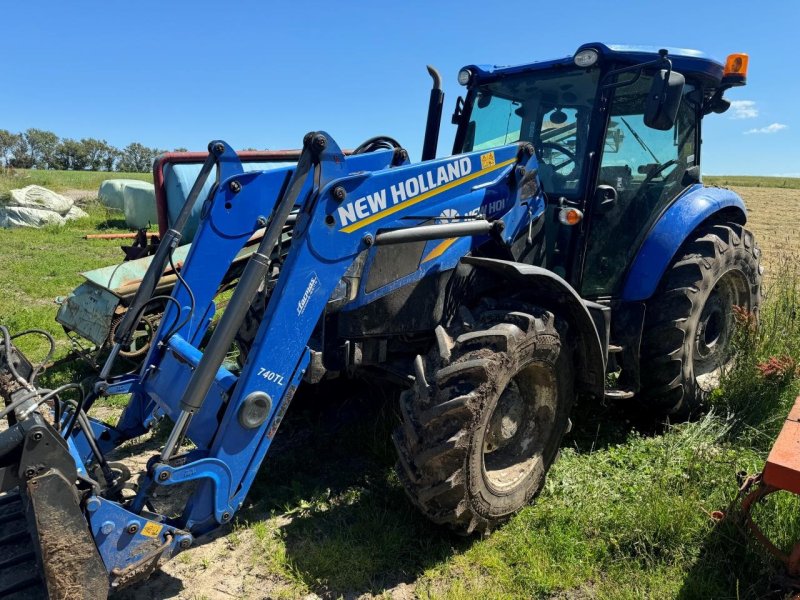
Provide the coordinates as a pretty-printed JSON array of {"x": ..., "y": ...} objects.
[{"x": 566, "y": 243}]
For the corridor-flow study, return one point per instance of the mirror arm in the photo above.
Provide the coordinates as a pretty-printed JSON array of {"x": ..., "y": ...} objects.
[{"x": 662, "y": 62}]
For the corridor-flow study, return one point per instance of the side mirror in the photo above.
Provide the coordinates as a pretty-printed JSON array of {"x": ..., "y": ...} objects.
[{"x": 664, "y": 99}]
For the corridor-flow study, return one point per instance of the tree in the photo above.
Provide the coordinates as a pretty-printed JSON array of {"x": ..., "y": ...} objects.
[
  {"x": 41, "y": 147},
  {"x": 181, "y": 149},
  {"x": 7, "y": 142},
  {"x": 21, "y": 154},
  {"x": 137, "y": 158},
  {"x": 96, "y": 152},
  {"x": 110, "y": 157},
  {"x": 70, "y": 155}
]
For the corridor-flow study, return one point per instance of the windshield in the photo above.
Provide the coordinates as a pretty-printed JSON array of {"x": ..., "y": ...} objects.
[{"x": 551, "y": 109}]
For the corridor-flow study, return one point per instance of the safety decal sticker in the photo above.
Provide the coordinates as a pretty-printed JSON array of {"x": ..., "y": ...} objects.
[
  {"x": 487, "y": 160},
  {"x": 152, "y": 529}
]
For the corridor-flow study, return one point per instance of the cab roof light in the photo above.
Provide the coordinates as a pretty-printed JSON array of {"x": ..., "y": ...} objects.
[{"x": 735, "y": 72}]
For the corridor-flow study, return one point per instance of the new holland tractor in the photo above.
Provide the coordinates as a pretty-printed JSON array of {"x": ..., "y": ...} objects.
[{"x": 567, "y": 247}]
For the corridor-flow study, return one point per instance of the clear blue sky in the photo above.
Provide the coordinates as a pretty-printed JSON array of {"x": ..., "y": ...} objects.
[{"x": 171, "y": 74}]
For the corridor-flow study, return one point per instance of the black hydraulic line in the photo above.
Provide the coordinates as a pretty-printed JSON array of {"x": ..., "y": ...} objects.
[
  {"x": 156, "y": 269},
  {"x": 7, "y": 350},
  {"x": 436, "y": 232},
  {"x": 252, "y": 276},
  {"x": 83, "y": 422},
  {"x": 37, "y": 369},
  {"x": 188, "y": 317}
]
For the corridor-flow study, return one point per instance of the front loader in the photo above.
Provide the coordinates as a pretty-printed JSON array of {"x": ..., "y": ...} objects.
[{"x": 567, "y": 248}]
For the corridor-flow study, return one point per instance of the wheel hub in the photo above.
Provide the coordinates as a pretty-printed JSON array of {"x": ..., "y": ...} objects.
[
  {"x": 712, "y": 341},
  {"x": 519, "y": 427}
]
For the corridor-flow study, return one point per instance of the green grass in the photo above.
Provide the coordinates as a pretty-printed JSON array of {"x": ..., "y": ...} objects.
[
  {"x": 752, "y": 181},
  {"x": 61, "y": 180},
  {"x": 625, "y": 512}
]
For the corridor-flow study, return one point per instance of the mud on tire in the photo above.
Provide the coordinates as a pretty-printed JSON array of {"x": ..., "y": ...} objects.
[
  {"x": 484, "y": 421},
  {"x": 690, "y": 320}
]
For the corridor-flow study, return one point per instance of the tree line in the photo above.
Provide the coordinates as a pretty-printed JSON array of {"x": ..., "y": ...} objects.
[{"x": 40, "y": 149}]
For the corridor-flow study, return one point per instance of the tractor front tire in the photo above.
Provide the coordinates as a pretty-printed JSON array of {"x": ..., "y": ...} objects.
[
  {"x": 690, "y": 322},
  {"x": 485, "y": 418}
]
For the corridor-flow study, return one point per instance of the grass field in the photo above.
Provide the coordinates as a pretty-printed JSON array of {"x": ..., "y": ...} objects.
[
  {"x": 625, "y": 512},
  {"x": 59, "y": 181}
]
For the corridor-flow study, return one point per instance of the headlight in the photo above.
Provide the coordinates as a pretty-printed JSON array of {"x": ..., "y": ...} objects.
[
  {"x": 464, "y": 75},
  {"x": 586, "y": 58}
]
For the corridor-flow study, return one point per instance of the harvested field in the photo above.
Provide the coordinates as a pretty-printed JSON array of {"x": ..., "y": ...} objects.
[{"x": 774, "y": 219}]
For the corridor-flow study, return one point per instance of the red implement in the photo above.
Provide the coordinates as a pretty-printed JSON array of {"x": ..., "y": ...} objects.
[{"x": 781, "y": 473}]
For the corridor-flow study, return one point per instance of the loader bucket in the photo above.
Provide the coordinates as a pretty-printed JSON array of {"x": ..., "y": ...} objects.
[
  {"x": 46, "y": 547},
  {"x": 46, "y": 550}
]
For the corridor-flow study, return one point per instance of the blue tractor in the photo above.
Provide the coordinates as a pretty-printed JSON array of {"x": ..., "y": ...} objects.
[{"x": 567, "y": 243}]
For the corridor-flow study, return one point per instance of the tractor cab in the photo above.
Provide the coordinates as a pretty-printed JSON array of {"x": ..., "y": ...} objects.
[{"x": 616, "y": 130}]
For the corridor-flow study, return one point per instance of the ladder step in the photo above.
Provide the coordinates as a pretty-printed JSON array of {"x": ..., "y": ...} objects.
[{"x": 613, "y": 348}]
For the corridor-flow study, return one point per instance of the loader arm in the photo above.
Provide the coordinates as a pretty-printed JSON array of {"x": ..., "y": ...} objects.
[{"x": 344, "y": 206}]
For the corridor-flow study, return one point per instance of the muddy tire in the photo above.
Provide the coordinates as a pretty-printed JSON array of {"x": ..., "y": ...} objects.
[
  {"x": 689, "y": 324},
  {"x": 484, "y": 421}
]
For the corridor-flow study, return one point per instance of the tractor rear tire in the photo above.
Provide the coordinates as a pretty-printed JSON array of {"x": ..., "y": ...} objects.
[
  {"x": 478, "y": 437},
  {"x": 690, "y": 322}
]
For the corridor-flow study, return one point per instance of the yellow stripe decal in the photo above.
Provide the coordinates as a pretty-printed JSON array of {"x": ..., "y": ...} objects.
[
  {"x": 402, "y": 205},
  {"x": 439, "y": 249}
]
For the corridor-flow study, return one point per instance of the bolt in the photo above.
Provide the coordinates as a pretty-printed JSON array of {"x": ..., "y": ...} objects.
[
  {"x": 185, "y": 543},
  {"x": 329, "y": 220},
  {"x": 261, "y": 221},
  {"x": 132, "y": 528},
  {"x": 92, "y": 505},
  {"x": 235, "y": 186},
  {"x": 520, "y": 171},
  {"x": 528, "y": 149},
  {"x": 368, "y": 240},
  {"x": 107, "y": 527},
  {"x": 30, "y": 472},
  {"x": 226, "y": 516},
  {"x": 339, "y": 193},
  {"x": 163, "y": 476},
  {"x": 37, "y": 436},
  {"x": 219, "y": 148},
  {"x": 319, "y": 142}
]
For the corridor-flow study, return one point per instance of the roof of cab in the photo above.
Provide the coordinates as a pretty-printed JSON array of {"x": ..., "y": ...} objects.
[{"x": 685, "y": 61}]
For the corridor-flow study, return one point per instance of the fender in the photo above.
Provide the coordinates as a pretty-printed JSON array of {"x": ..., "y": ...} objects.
[
  {"x": 689, "y": 211},
  {"x": 555, "y": 293}
]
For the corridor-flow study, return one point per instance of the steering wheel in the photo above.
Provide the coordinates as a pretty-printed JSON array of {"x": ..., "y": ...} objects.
[
  {"x": 658, "y": 170},
  {"x": 565, "y": 151}
]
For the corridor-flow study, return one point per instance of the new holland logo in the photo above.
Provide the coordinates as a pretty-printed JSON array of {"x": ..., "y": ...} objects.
[
  {"x": 403, "y": 191},
  {"x": 448, "y": 215}
]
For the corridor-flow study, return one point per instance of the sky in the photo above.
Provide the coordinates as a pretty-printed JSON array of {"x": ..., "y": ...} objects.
[{"x": 262, "y": 74}]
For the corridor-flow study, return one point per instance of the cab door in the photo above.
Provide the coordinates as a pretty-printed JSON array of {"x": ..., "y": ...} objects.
[{"x": 647, "y": 170}]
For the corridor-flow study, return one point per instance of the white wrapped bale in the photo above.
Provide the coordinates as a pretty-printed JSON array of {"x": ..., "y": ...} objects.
[
  {"x": 35, "y": 206},
  {"x": 139, "y": 204},
  {"x": 110, "y": 193},
  {"x": 19, "y": 216},
  {"x": 35, "y": 196}
]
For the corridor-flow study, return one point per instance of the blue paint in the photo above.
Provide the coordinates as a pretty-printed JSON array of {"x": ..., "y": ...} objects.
[
  {"x": 688, "y": 62},
  {"x": 694, "y": 206}
]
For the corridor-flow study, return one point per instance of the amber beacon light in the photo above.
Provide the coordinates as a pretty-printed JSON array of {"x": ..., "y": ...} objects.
[{"x": 736, "y": 68}]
